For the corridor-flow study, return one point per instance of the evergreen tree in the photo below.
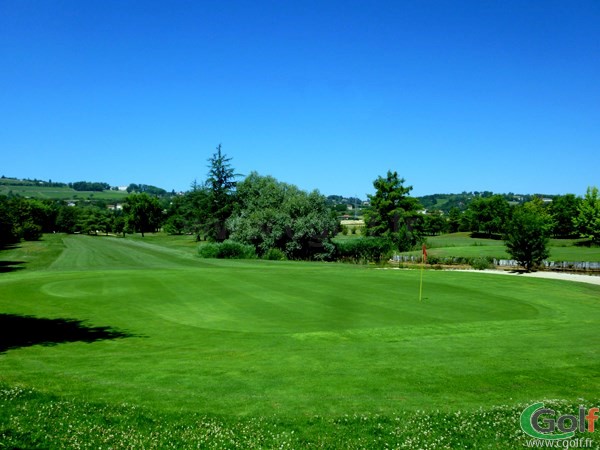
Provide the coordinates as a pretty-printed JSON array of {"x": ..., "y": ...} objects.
[
  {"x": 527, "y": 234},
  {"x": 393, "y": 214},
  {"x": 221, "y": 189}
]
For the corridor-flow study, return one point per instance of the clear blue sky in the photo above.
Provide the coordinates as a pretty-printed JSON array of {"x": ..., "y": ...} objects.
[{"x": 454, "y": 95}]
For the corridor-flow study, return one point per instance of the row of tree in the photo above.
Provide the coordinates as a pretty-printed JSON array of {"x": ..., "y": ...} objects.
[
  {"x": 89, "y": 186},
  {"x": 568, "y": 216},
  {"x": 270, "y": 215}
]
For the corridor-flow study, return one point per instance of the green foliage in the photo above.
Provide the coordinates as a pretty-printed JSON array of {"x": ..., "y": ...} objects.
[
  {"x": 31, "y": 231},
  {"x": 271, "y": 214},
  {"x": 454, "y": 218},
  {"x": 89, "y": 186},
  {"x": 8, "y": 227},
  {"x": 226, "y": 250},
  {"x": 68, "y": 217},
  {"x": 148, "y": 189},
  {"x": 143, "y": 213},
  {"x": 488, "y": 215},
  {"x": 481, "y": 263},
  {"x": 563, "y": 209},
  {"x": 364, "y": 249},
  {"x": 434, "y": 223},
  {"x": 527, "y": 235},
  {"x": 394, "y": 215},
  {"x": 587, "y": 220},
  {"x": 175, "y": 225},
  {"x": 221, "y": 188},
  {"x": 274, "y": 254}
]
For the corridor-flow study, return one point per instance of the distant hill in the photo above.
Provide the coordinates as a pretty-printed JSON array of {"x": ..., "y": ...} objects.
[
  {"x": 84, "y": 190},
  {"x": 440, "y": 202},
  {"x": 79, "y": 190},
  {"x": 445, "y": 202}
]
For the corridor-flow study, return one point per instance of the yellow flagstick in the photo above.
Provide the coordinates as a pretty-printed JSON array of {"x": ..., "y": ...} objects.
[{"x": 422, "y": 267}]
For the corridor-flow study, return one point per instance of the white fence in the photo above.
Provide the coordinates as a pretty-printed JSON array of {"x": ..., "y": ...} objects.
[
  {"x": 556, "y": 265},
  {"x": 564, "y": 265}
]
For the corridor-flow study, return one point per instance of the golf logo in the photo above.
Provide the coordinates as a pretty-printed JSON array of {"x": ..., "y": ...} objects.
[{"x": 542, "y": 423}]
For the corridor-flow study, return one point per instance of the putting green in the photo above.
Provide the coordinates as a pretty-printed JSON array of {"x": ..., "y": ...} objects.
[{"x": 257, "y": 337}]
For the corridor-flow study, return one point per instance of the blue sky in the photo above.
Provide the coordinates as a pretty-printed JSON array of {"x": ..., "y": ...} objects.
[{"x": 454, "y": 95}]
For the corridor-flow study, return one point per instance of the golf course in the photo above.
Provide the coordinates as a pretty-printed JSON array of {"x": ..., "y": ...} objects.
[{"x": 139, "y": 342}]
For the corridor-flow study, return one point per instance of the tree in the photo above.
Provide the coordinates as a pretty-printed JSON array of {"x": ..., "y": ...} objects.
[
  {"x": 563, "y": 209},
  {"x": 221, "y": 187},
  {"x": 273, "y": 215},
  {"x": 143, "y": 213},
  {"x": 454, "y": 217},
  {"x": 527, "y": 233},
  {"x": 434, "y": 223},
  {"x": 8, "y": 226},
  {"x": 68, "y": 219},
  {"x": 587, "y": 220},
  {"x": 392, "y": 214},
  {"x": 488, "y": 214}
]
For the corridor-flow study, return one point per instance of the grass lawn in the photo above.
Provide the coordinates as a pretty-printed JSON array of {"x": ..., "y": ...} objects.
[
  {"x": 463, "y": 245},
  {"x": 259, "y": 354}
]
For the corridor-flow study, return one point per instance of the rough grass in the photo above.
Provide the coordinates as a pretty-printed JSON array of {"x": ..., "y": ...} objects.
[
  {"x": 261, "y": 354},
  {"x": 74, "y": 423}
]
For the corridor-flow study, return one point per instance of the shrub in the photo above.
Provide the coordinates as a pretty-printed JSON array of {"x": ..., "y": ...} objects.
[
  {"x": 480, "y": 263},
  {"x": 208, "y": 250},
  {"x": 31, "y": 231},
  {"x": 227, "y": 250},
  {"x": 274, "y": 254},
  {"x": 235, "y": 250},
  {"x": 364, "y": 249}
]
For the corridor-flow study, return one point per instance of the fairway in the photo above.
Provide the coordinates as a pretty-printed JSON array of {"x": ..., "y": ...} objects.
[{"x": 256, "y": 338}]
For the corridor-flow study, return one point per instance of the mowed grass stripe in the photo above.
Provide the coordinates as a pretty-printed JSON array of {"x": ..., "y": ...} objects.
[{"x": 258, "y": 337}]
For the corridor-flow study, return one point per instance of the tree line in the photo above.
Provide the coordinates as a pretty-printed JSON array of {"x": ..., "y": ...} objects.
[{"x": 278, "y": 220}]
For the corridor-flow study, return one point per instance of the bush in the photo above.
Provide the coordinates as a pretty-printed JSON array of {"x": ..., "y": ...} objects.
[
  {"x": 208, "y": 250},
  {"x": 274, "y": 254},
  {"x": 31, "y": 231},
  {"x": 364, "y": 249},
  {"x": 480, "y": 263},
  {"x": 227, "y": 250}
]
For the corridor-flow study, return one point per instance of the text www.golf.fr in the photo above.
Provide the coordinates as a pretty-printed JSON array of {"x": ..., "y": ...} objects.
[{"x": 563, "y": 443}]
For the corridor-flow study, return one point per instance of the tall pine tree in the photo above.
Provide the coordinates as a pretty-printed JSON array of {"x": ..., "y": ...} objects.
[{"x": 221, "y": 191}]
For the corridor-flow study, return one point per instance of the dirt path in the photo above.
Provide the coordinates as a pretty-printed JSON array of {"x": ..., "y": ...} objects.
[{"x": 592, "y": 279}]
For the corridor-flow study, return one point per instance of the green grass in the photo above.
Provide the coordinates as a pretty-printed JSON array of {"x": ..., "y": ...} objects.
[
  {"x": 60, "y": 193},
  {"x": 298, "y": 355},
  {"x": 462, "y": 245}
]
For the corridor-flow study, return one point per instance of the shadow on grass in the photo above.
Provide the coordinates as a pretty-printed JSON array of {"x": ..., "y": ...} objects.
[
  {"x": 23, "y": 331},
  {"x": 11, "y": 266},
  {"x": 480, "y": 235}
]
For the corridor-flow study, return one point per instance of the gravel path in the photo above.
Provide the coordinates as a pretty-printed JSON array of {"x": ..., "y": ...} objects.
[{"x": 592, "y": 279}]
